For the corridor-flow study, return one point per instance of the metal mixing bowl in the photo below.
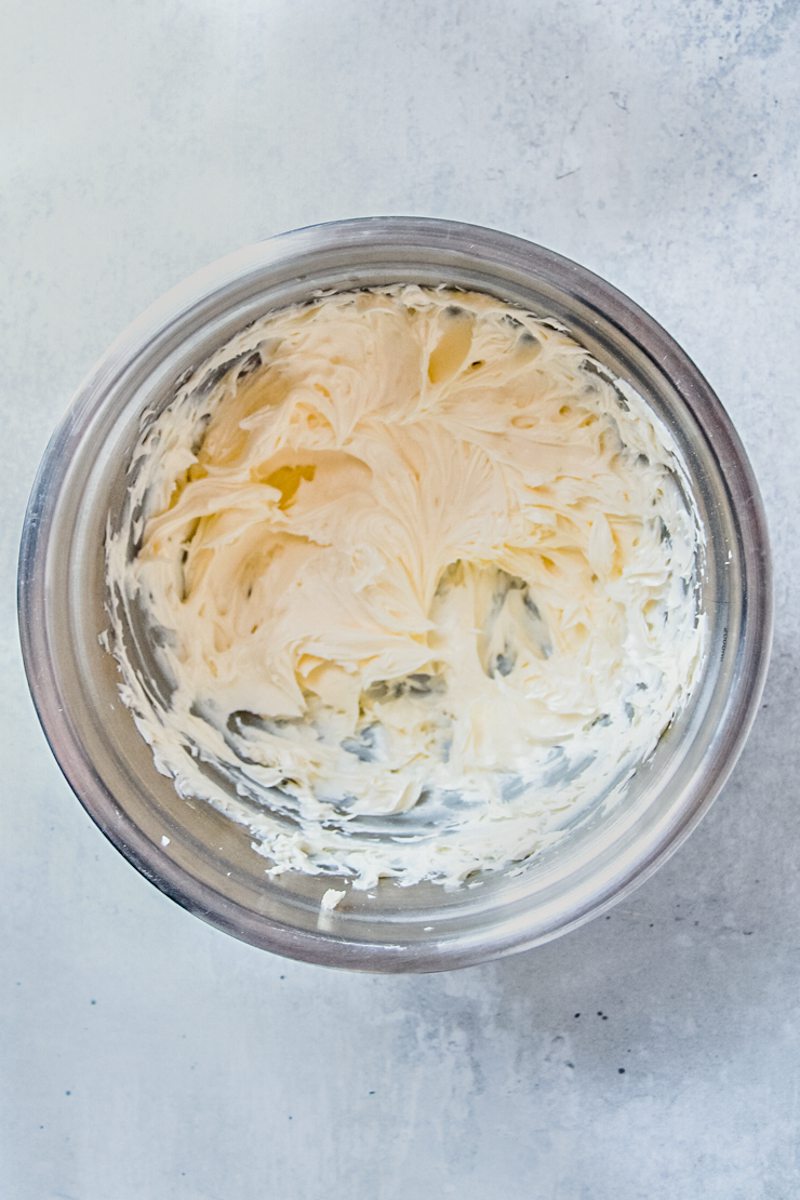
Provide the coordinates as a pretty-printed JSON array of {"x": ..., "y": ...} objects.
[{"x": 208, "y": 864}]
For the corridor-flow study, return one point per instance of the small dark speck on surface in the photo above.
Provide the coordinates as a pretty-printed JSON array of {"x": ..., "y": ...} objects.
[
  {"x": 93, "y": 1002},
  {"x": 608, "y": 917},
  {"x": 283, "y": 976},
  {"x": 652, "y": 925},
  {"x": 577, "y": 1015},
  {"x": 620, "y": 1070},
  {"x": 291, "y": 1118},
  {"x": 747, "y": 932},
  {"x": 68, "y": 1093},
  {"x": 569, "y": 1064},
  {"x": 372, "y": 1093}
]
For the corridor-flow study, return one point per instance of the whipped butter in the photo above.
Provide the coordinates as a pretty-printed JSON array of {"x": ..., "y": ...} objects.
[{"x": 416, "y": 582}]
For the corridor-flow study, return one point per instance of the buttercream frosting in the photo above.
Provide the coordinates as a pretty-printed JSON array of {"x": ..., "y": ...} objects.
[{"x": 416, "y": 578}]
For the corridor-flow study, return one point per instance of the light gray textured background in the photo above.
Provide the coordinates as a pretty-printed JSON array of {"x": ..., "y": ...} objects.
[{"x": 146, "y": 1056}]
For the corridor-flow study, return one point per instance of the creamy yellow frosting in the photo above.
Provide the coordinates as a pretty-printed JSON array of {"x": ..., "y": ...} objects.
[{"x": 418, "y": 580}]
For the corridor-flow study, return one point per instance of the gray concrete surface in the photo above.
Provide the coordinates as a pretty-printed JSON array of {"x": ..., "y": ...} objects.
[{"x": 654, "y": 1055}]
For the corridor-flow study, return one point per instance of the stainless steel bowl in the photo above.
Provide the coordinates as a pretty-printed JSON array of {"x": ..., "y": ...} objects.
[{"x": 208, "y": 864}]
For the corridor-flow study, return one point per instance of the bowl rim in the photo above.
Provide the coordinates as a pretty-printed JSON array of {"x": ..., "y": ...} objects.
[{"x": 201, "y": 899}]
